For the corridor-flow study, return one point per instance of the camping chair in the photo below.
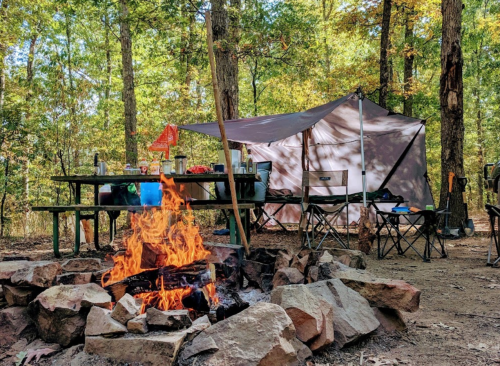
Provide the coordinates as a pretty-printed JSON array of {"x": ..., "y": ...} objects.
[{"x": 316, "y": 218}]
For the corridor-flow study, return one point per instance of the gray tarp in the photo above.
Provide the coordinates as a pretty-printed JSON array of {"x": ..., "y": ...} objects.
[{"x": 394, "y": 149}]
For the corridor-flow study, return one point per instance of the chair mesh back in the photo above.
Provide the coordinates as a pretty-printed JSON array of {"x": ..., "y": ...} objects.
[{"x": 336, "y": 178}]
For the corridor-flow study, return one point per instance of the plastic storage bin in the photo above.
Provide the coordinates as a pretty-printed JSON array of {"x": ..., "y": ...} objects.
[{"x": 151, "y": 194}]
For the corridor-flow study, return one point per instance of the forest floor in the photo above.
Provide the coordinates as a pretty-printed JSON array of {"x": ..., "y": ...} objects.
[{"x": 459, "y": 318}]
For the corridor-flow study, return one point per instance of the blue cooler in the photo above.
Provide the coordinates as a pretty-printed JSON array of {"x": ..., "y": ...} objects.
[{"x": 151, "y": 194}]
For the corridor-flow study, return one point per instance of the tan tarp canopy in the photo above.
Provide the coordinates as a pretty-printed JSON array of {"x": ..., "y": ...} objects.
[{"x": 394, "y": 148}]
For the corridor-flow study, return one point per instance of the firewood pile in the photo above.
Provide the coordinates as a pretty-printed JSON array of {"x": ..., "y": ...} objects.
[{"x": 271, "y": 307}]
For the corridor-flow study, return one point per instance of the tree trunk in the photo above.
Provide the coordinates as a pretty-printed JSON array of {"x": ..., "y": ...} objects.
[
  {"x": 225, "y": 27},
  {"x": 327, "y": 11},
  {"x": 128, "y": 87},
  {"x": 4, "y": 197},
  {"x": 384, "y": 60},
  {"x": 25, "y": 162},
  {"x": 107, "y": 89},
  {"x": 408, "y": 66},
  {"x": 3, "y": 50},
  {"x": 451, "y": 98}
]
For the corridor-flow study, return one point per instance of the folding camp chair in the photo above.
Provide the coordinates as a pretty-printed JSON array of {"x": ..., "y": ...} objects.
[
  {"x": 494, "y": 216},
  {"x": 316, "y": 217}
]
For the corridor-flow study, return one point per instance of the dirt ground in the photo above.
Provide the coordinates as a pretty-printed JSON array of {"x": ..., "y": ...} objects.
[{"x": 459, "y": 318}]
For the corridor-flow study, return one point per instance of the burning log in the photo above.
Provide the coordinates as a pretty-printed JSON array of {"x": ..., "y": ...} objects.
[{"x": 197, "y": 275}]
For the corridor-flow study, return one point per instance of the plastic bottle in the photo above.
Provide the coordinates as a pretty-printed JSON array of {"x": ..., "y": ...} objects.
[
  {"x": 155, "y": 167},
  {"x": 143, "y": 165},
  {"x": 250, "y": 167}
]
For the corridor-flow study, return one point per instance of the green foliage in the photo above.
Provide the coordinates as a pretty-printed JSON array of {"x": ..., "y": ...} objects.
[{"x": 293, "y": 55}]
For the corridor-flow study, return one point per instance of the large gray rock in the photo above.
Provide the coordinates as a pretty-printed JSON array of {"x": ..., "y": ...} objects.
[
  {"x": 100, "y": 322},
  {"x": 15, "y": 324},
  {"x": 82, "y": 265},
  {"x": 153, "y": 349},
  {"x": 20, "y": 296},
  {"x": 303, "y": 308},
  {"x": 327, "y": 335},
  {"x": 7, "y": 269},
  {"x": 41, "y": 274},
  {"x": 260, "y": 335},
  {"x": 168, "y": 320},
  {"x": 126, "y": 308},
  {"x": 352, "y": 315},
  {"x": 60, "y": 312},
  {"x": 381, "y": 292}
]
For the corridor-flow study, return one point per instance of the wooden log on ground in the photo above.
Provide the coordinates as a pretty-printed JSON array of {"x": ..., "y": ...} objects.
[{"x": 197, "y": 274}]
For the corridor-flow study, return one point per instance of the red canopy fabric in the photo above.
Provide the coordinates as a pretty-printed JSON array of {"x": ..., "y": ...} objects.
[{"x": 168, "y": 138}]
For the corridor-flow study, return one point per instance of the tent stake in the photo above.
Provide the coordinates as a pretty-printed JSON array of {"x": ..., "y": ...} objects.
[{"x": 222, "y": 129}]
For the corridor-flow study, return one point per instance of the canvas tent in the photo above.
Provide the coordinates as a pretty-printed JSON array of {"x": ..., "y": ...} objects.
[{"x": 394, "y": 149}]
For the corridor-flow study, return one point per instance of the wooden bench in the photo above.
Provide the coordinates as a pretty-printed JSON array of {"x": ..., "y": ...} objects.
[{"x": 195, "y": 205}]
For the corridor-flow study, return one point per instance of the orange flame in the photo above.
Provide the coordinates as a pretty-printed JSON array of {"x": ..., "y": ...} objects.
[{"x": 171, "y": 234}]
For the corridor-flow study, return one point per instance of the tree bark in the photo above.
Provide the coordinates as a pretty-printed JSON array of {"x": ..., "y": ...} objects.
[
  {"x": 408, "y": 64},
  {"x": 384, "y": 60},
  {"x": 128, "y": 96},
  {"x": 4, "y": 197},
  {"x": 3, "y": 50},
  {"x": 451, "y": 98},
  {"x": 107, "y": 89},
  {"x": 226, "y": 29},
  {"x": 25, "y": 162}
]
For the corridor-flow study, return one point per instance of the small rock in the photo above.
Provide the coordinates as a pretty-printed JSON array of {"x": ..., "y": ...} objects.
[
  {"x": 200, "y": 345},
  {"x": 299, "y": 263},
  {"x": 169, "y": 320},
  {"x": 100, "y": 322},
  {"x": 7, "y": 269},
  {"x": 254, "y": 271},
  {"x": 15, "y": 324},
  {"x": 20, "y": 296},
  {"x": 303, "y": 308},
  {"x": 151, "y": 349},
  {"x": 312, "y": 274},
  {"x": 390, "y": 320},
  {"x": 357, "y": 259},
  {"x": 328, "y": 270},
  {"x": 199, "y": 325},
  {"x": 261, "y": 335},
  {"x": 283, "y": 260},
  {"x": 287, "y": 276},
  {"x": 41, "y": 274},
  {"x": 74, "y": 278},
  {"x": 82, "y": 265},
  {"x": 138, "y": 325},
  {"x": 126, "y": 308},
  {"x": 263, "y": 255},
  {"x": 303, "y": 352},
  {"x": 326, "y": 257}
]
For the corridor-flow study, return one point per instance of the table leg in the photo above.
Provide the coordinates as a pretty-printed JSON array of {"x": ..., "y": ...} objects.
[
  {"x": 78, "y": 193},
  {"x": 96, "y": 217},
  {"x": 232, "y": 228},
  {"x": 55, "y": 233}
]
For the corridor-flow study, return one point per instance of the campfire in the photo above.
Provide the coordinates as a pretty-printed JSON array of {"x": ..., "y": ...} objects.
[{"x": 165, "y": 261}]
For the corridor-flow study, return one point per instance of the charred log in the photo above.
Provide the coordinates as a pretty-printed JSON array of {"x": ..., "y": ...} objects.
[{"x": 196, "y": 275}]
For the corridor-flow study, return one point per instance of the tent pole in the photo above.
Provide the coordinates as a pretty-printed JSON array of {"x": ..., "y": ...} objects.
[
  {"x": 363, "y": 170},
  {"x": 223, "y": 136}
]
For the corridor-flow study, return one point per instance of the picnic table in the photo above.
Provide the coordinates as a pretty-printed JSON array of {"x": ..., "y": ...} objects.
[{"x": 241, "y": 180}]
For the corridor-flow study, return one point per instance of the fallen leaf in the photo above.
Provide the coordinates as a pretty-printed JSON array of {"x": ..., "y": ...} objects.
[{"x": 32, "y": 353}]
